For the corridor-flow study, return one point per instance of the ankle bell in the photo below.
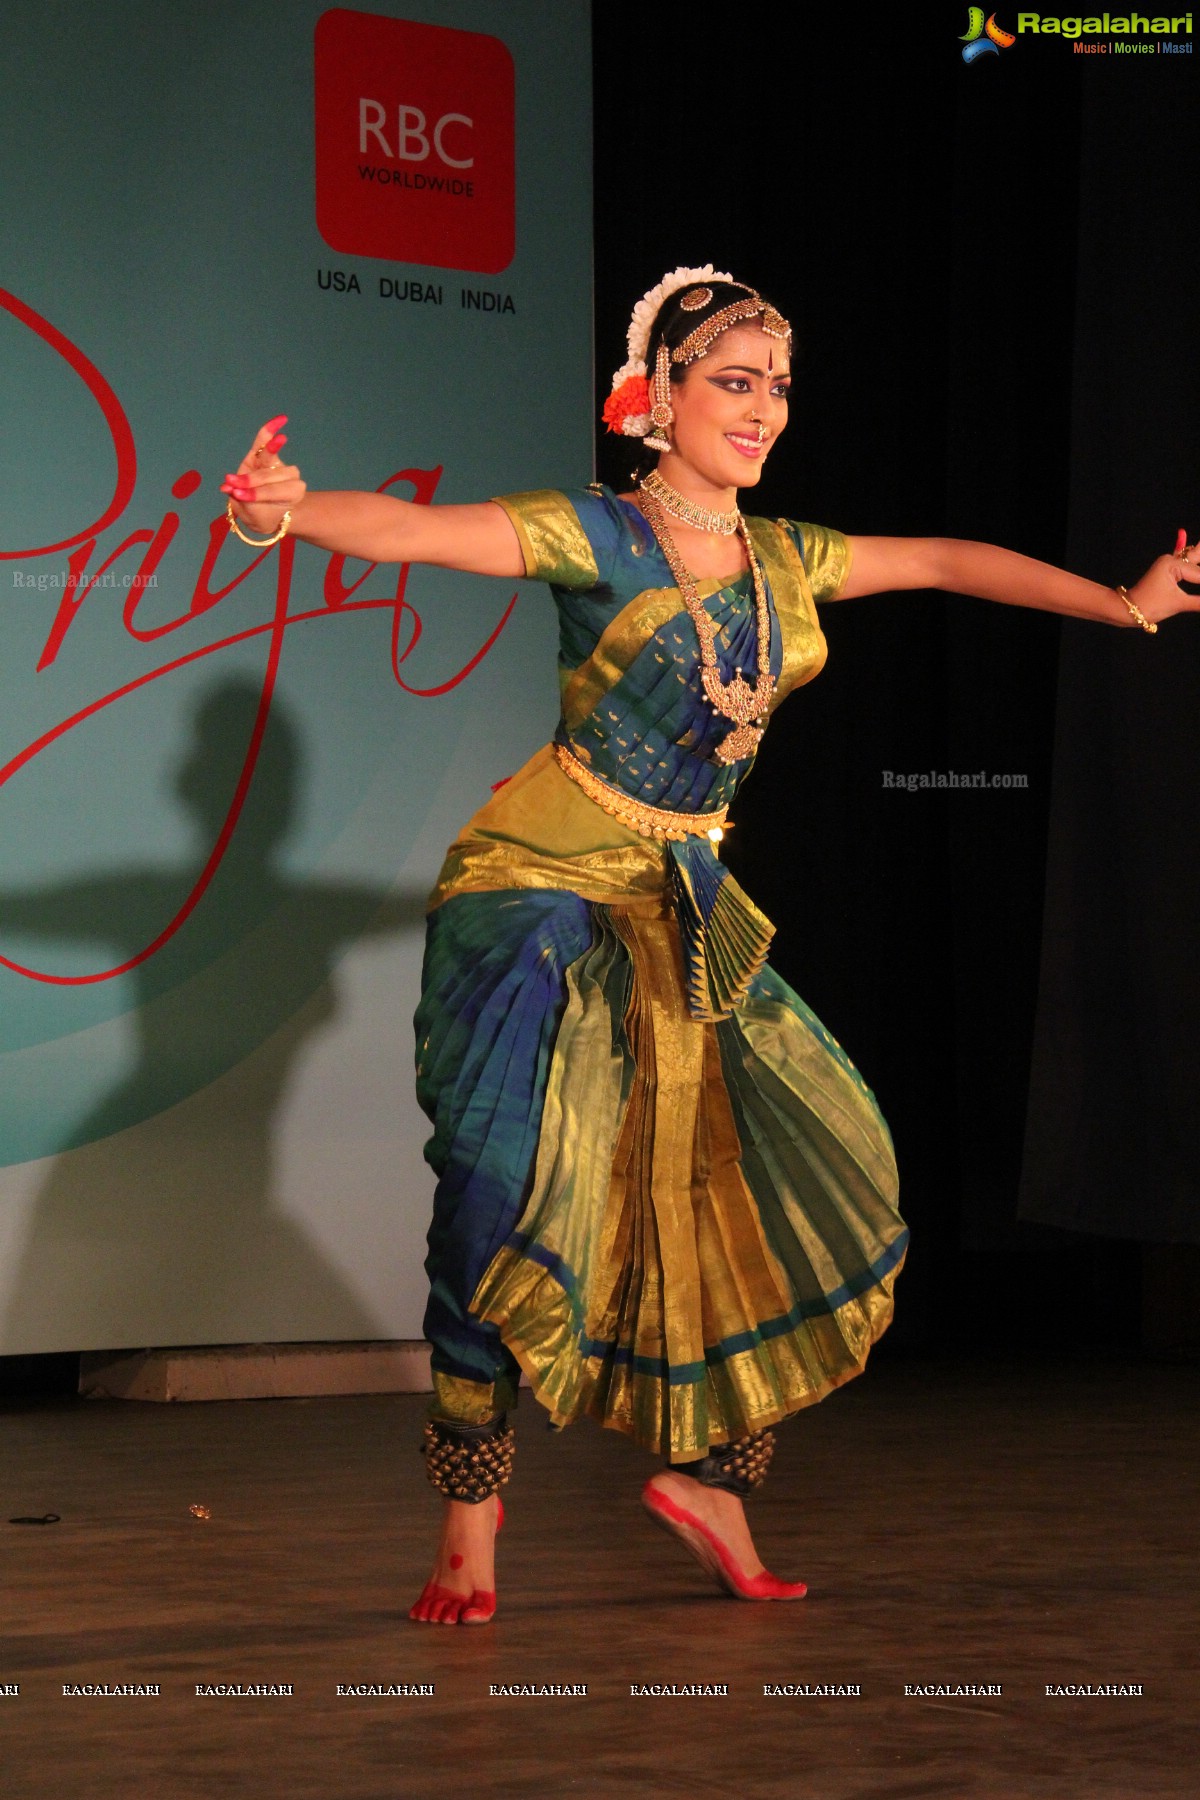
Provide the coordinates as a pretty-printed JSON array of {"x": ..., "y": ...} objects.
[
  {"x": 468, "y": 1462},
  {"x": 737, "y": 1467}
]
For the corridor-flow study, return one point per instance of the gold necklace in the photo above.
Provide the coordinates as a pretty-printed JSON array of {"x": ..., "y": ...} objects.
[
  {"x": 688, "y": 512},
  {"x": 735, "y": 699}
]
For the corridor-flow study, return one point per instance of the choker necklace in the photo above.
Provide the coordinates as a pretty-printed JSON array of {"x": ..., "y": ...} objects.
[
  {"x": 687, "y": 511},
  {"x": 735, "y": 699}
]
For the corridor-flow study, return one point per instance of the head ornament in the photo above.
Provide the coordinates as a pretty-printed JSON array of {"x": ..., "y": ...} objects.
[{"x": 630, "y": 407}]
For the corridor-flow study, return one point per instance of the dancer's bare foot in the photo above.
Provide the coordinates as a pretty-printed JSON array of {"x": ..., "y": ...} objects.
[
  {"x": 462, "y": 1588},
  {"x": 711, "y": 1524},
  {"x": 722, "y": 1512}
]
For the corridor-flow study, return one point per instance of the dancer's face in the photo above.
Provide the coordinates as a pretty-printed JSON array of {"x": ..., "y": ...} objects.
[{"x": 741, "y": 383}]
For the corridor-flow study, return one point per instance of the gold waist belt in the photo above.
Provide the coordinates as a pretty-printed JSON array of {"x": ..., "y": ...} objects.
[{"x": 648, "y": 821}]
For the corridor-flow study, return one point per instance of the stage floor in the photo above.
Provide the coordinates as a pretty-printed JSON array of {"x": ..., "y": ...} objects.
[{"x": 960, "y": 1526}]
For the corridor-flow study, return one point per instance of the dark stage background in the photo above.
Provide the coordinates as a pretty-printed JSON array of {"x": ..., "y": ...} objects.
[{"x": 989, "y": 272}]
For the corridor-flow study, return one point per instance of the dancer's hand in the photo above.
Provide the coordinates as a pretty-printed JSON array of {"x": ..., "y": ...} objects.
[
  {"x": 262, "y": 488},
  {"x": 1159, "y": 594}
]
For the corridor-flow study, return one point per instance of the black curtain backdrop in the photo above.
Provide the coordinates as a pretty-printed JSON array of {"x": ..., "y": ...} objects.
[
  {"x": 989, "y": 269},
  {"x": 1113, "y": 1142}
]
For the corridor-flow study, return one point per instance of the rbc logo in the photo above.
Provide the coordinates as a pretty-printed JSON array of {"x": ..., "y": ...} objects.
[{"x": 414, "y": 142}]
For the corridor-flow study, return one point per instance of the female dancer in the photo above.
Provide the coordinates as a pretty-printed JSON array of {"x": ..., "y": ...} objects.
[{"x": 664, "y": 1189}]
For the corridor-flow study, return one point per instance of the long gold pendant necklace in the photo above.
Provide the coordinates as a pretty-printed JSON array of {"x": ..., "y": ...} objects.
[{"x": 735, "y": 699}]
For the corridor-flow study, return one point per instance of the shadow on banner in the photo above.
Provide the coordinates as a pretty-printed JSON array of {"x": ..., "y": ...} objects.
[{"x": 167, "y": 1190}]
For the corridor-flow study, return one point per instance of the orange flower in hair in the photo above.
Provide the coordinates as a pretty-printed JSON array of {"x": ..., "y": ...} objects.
[{"x": 627, "y": 409}]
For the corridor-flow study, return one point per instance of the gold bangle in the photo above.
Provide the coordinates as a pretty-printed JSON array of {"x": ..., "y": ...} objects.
[
  {"x": 1139, "y": 617},
  {"x": 258, "y": 543}
]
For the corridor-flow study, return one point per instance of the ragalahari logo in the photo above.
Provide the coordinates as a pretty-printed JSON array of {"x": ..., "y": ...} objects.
[
  {"x": 414, "y": 142},
  {"x": 983, "y": 37}
]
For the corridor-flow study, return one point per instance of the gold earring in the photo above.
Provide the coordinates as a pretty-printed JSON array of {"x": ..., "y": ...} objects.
[{"x": 662, "y": 413}]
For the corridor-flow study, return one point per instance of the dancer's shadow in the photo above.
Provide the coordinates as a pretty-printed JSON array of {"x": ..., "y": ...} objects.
[{"x": 171, "y": 1233}]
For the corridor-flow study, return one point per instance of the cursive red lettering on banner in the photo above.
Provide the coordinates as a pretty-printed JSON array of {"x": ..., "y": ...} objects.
[
  {"x": 216, "y": 856},
  {"x": 119, "y": 428},
  {"x": 77, "y": 589},
  {"x": 424, "y": 483},
  {"x": 204, "y": 597}
]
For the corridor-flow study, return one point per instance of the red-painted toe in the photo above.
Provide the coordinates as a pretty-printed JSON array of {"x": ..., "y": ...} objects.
[{"x": 437, "y": 1605}]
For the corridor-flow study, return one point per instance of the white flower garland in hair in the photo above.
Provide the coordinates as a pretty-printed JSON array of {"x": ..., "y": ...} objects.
[
  {"x": 647, "y": 309},
  {"x": 638, "y": 340}
]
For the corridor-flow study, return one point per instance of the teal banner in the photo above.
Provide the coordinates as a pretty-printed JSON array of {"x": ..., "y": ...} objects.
[{"x": 227, "y": 776}]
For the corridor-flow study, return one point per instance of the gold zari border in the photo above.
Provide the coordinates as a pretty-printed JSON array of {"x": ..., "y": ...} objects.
[
  {"x": 648, "y": 821},
  {"x": 553, "y": 542}
]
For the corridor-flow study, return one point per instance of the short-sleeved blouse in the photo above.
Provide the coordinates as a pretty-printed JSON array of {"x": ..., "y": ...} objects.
[{"x": 635, "y": 716}]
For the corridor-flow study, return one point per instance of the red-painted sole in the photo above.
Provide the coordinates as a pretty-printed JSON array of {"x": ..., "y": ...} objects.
[{"x": 711, "y": 1553}]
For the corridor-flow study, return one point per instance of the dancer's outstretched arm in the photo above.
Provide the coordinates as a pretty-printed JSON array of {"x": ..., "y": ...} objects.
[
  {"x": 377, "y": 527},
  {"x": 959, "y": 566}
]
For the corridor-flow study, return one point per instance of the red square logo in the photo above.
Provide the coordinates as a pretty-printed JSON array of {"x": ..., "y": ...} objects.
[{"x": 414, "y": 142}]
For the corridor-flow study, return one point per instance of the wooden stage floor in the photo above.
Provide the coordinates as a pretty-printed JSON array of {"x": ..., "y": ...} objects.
[{"x": 960, "y": 1526}]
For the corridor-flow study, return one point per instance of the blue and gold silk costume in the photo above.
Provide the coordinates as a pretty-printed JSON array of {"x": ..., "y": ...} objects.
[{"x": 664, "y": 1190}]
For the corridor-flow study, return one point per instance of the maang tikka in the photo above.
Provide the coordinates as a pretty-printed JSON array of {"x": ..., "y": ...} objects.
[{"x": 662, "y": 413}]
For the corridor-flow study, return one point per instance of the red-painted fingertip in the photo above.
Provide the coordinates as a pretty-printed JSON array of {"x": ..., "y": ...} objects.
[
  {"x": 276, "y": 423},
  {"x": 1180, "y": 542},
  {"x": 278, "y": 441}
]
